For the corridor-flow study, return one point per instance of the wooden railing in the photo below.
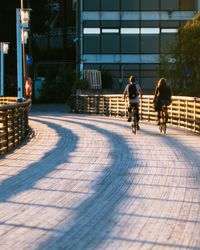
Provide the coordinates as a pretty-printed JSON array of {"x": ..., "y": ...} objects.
[
  {"x": 183, "y": 112},
  {"x": 14, "y": 126}
]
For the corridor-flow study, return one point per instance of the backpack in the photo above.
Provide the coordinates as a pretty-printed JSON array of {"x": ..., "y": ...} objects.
[{"x": 132, "y": 91}]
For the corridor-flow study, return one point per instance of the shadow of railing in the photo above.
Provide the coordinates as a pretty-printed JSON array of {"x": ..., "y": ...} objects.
[{"x": 115, "y": 175}]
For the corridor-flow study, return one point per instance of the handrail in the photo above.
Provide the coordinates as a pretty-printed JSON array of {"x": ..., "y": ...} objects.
[
  {"x": 14, "y": 126},
  {"x": 184, "y": 111}
]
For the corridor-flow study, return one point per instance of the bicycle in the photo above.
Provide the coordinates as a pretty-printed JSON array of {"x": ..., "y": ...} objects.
[
  {"x": 163, "y": 120},
  {"x": 134, "y": 121}
]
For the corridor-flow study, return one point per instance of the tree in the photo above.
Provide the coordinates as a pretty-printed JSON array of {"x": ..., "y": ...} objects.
[{"x": 185, "y": 73}]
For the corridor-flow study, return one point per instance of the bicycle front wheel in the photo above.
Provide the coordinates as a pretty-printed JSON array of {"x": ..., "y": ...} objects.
[{"x": 133, "y": 127}]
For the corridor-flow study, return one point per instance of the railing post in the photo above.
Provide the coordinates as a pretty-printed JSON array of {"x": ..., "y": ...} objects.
[
  {"x": 186, "y": 113},
  {"x": 194, "y": 114}
]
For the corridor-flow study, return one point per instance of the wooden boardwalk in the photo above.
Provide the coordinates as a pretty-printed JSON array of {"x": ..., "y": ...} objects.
[{"x": 85, "y": 182}]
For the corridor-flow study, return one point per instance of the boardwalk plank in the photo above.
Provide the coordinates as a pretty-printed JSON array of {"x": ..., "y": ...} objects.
[{"x": 85, "y": 182}]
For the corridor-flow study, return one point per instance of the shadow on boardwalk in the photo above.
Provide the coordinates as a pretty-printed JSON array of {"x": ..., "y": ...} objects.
[{"x": 134, "y": 195}]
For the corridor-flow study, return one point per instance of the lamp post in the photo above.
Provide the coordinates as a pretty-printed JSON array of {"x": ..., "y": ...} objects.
[
  {"x": 3, "y": 50},
  {"x": 22, "y": 23}
]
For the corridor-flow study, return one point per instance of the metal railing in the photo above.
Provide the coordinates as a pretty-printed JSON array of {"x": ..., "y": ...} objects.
[
  {"x": 14, "y": 126},
  {"x": 184, "y": 111}
]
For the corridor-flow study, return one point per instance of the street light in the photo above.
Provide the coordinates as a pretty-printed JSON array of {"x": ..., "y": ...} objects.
[
  {"x": 22, "y": 23},
  {"x": 3, "y": 50}
]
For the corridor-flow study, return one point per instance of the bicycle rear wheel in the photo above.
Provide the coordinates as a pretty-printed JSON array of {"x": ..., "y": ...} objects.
[
  {"x": 164, "y": 128},
  {"x": 160, "y": 128},
  {"x": 134, "y": 125},
  {"x": 163, "y": 123}
]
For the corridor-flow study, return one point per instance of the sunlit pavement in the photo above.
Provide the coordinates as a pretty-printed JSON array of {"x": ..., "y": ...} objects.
[{"x": 86, "y": 182}]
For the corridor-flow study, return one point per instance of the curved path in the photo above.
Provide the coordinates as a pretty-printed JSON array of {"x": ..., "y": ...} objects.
[{"x": 85, "y": 182}]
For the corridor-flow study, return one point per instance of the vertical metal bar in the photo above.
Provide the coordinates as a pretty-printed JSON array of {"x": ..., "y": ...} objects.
[
  {"x": 2, "y": 70},
  {"x": 19, "y": 57},
  {"x": 81, "y": 39}
]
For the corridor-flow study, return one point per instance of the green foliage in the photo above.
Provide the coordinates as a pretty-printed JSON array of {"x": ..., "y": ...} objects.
[{"x": 185, "y": 73}]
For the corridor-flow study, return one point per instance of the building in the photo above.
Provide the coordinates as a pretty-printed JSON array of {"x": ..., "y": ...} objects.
[
  {"x": 54, "y": 42},
  {"x": 126, "y": 37},
  {"x": 59, "y": 28}
]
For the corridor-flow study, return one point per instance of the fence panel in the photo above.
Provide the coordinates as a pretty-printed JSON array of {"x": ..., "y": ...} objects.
[
  {"x": 184, "y": 111},
  {"x": 13, "y": 122}
]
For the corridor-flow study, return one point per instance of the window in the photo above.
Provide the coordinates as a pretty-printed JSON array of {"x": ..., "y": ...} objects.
[
  {"x": 110, "y": 44},
  {"x": 129, "y": 5},
  {"x": 149, "y": 23},
  {"x": 106, "y": 24},
  {"x": 187, "y": 4},
  {"x": 130, "y": 24},
  {"x": 130, "y": 44},
  {"x": 166, "y": 41},
  {"x": 110, "y": 30},
  {"x": 169, "y": 30},
  {"x": 149, "y": 44},
  {"x": 150, "y": 5},
  {"x": 150, "y": 30},
  {"x": 167, "y": 24},
  {"x": 91, "y": 31},
  {"x": 92, "y": 66},
  {"x": 113, "y": 5},
  {"x": 91, "y": 5},
  {"x": 91, "y": 44},
  {"x": 170, "y": 4},
  {"x": 91, "y": 24},
  {"x": 130, "y": 30}
]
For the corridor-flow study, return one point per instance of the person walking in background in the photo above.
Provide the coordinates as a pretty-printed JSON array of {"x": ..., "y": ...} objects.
[
  {"x": 162, "y": 96},
  {"x": 28, "y": 88},
  {"x": 131, "y": 93}
]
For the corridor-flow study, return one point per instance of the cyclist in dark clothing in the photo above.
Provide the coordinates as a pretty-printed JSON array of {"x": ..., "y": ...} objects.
[
  {"x": 162, "y": 96},
  {"x": 133, "y": 100}
]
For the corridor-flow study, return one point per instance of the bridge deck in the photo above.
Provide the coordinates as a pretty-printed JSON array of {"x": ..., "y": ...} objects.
[{"x": 85, "y": 182}]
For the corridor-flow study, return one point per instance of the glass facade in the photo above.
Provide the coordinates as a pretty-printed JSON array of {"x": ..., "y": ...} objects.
[{"x": 126, "y": 36}]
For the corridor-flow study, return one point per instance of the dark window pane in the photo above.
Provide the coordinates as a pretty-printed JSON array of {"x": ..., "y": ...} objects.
[
  {"x": 92, "y": 66},
  {"x": 109, "y": 24},
  {"x": 131, "y": 24},
  {"x": 91, "y": 5},
  {"x": 91, "y": 44},
  {"x": 170, "y": 4},
  {"x": 129, "y": 44},
  {"x": 91, "y": 24},
  {"x": 168, "y": 24},
  {"x": 150, "y": 4},
  {"x": 149, "y": 44},
  {"x": 110, "y": 44},
  {"x": 129, "y": 5},
  {"x": 166, "y": 42},
  {"x": 149, "y": 23},
  {"x": 112, "y": 5}
]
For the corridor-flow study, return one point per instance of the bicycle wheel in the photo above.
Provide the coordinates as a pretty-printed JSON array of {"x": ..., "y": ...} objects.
[
  {"x": 161, "y": 127},
  {"x": 133, "y": 127},
  {"x": 165, "y": 117},
  {"x": 164, "y": 128},
  {"x": 163, "y": 123},
  {"x": 134, "y": 124}
]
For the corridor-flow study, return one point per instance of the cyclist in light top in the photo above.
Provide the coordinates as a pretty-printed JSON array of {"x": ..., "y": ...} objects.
[{"x": 131, "y": 92}]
